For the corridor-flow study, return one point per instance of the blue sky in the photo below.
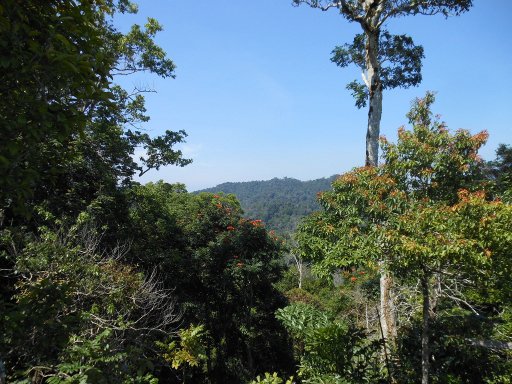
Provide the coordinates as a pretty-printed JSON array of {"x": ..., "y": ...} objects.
[{"x": 259, "y": 98}]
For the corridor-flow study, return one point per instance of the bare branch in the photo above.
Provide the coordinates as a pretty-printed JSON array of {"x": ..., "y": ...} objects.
[
  {"x": 346, "y": 9},
  {"x": 492, "y": 344}
]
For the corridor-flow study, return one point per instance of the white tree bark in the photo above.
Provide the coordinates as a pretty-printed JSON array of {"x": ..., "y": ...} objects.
[
  {"x": 372, "y": 156},
  {"x": 299, "y": 263},
  {"x": 425, "y": 334},
  {"x": 375, "y": 96},
  {"x": 387, "y": 309}
]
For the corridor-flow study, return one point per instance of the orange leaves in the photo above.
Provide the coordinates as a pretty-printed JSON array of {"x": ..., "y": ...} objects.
[
  {"x": 349, "y": 178},
  {"x": 480, "y": 138},
  {"x": 466, "y": 196}
]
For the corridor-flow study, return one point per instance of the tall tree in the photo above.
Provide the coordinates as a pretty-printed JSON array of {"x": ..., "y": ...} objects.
[
  {"x": 433, "y": 244},
  {"x": 65, "y": 126},
  {"x": 66, "y": 151},
  {"x": 222, "y": 268},
  {"x": 387, "y": 61},
  {"x": 426, "y": 163}
]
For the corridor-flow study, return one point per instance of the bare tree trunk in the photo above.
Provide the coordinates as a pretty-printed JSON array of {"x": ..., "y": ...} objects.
[
  {"x": 385, "y": 348},
  {"x": 425, "y": 342},
  {"x": 375, "y": 92},
  {"x": 299, "y": 263},
  {"x": 387, "y": 310},
  {"x": 374, "y": 84}
]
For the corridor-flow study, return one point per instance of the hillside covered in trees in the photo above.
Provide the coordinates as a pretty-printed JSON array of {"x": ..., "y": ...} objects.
[{"x": 280, "y": 203}]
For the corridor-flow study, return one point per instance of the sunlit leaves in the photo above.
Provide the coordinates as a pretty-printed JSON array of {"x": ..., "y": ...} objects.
[
  {"x": 189, "y": 349},
  {"x": 350, "y": 229},
  {"x": 428, "y": 160},
  {"x": 328, "y": 349}
]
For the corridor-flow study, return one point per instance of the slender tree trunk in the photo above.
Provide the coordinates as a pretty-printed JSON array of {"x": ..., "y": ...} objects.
[
  {"x": 387, "y": 310},
  {"x": 425, "y": 342},
  {"x": 375, "y": 103},
  {"x": 372, "y": 159},
  {"x": 387, "y": 317},
  {"x": 385, "y": 348},
  {"x": 299, "y": 264}
]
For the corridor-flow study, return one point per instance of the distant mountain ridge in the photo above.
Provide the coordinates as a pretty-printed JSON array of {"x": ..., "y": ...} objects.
[{"x": 280, "y": 203}]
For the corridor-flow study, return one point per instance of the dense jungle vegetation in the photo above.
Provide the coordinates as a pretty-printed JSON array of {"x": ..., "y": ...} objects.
[
  {"x": 398, "y": 273},
  {"x": 280, "y": 203}
]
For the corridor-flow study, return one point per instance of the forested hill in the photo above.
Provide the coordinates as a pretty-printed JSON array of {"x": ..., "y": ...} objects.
[{"x": 280, "y": 203}]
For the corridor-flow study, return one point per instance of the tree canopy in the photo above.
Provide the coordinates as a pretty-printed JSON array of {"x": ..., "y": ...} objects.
[
  {"x": 416, "y": 217},
  {"x": 62, "y": 111},
  {"x": 386, "y": 60}
]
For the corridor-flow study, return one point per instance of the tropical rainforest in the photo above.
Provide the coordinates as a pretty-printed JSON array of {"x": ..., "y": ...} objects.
[
  {"x": 280, "y": 203},
  {"x": 396, "y": 272}
]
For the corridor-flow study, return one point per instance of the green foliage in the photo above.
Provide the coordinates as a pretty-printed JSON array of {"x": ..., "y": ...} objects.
[
  {"x": 456, "y": 359},
  {"x": 430, "y": 162},
  {"x": 330, "y": 351},
  {"x": 64, "y": 121},
  {"x": 70, "y": 302},
  {"x": 402, "y": 58},
  {"x": 51, "y": 69},
  {"x": 217, "y": 265},
  {"x": 300, "y": 319},
  {"x": 88, "y": 361},
  {"x": 222, "y": 268},
  {"x": 426, "y": 162},
  {"x": 499, "y": 172},
  {"x": 271, "y": 379},
  {"x": 413, "y": 216},
  {"x": 189, "y": 349},
  {"x": 280, "y": 203},
  {"x": 343, "y": 234}
]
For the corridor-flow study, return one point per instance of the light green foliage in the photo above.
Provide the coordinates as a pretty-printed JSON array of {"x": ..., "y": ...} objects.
[
  {"x": 330, "y": 351},
  {"x": 87, "y": 359},
  {"x": 469, "y": 235},
  {"x": 430, "y": 162},
  {"x": 427, "y": 162},
  {"x": 420, "y": 214},
  {"x": 280, "y": 203},
  {"x": 189, "y": 349},
  {"x": 300, "y": 319},
  {"x": 347, "y": 232},
  {"x": 271, "y": 379}
]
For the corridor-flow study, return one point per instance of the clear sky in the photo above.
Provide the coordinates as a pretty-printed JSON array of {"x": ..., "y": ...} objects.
[{"x": 259, "y": 98}]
